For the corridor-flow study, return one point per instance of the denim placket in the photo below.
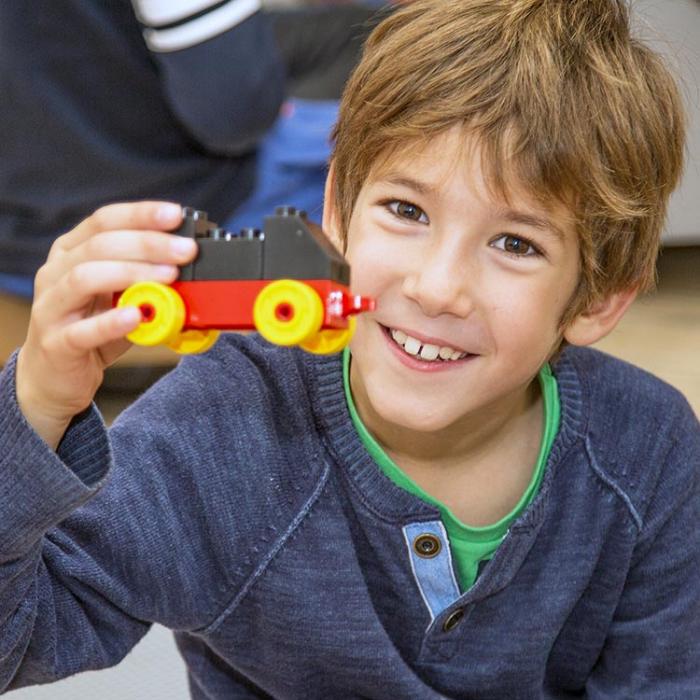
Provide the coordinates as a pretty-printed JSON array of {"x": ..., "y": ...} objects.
[{"x": 433, "y": 574}]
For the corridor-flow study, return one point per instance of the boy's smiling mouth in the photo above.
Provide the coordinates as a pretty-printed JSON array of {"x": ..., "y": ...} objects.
[{"x": 425, "y": 353}]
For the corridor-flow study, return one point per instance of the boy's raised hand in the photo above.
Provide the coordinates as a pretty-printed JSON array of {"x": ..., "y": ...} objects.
[{"x": 74, "y": 333}]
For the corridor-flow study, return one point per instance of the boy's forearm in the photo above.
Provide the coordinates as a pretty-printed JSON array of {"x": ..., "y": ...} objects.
[
  {"x": 49, "y": 428},
  {"x": 39, "y": 487},
  {"x": 49, "y": 423}
]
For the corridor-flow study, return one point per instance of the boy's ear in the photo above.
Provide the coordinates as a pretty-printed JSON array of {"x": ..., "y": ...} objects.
[
  {"x": 596, "y": 322},
  {"x": 330, "y": 210}
]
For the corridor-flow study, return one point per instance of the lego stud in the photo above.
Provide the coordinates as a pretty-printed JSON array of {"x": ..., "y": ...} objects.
[{"x": 285, "y": 211}]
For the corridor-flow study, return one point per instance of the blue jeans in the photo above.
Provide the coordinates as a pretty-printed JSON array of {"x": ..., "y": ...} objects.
[{"x": 18, "y": 285}]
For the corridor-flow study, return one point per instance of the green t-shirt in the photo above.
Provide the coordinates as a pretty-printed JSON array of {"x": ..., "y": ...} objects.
[{"x": 469, "y": 545}]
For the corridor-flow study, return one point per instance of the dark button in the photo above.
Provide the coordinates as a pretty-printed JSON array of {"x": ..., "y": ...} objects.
[
  {"x": 427, "y": 545},
  {"x": 453, "y": 619}
]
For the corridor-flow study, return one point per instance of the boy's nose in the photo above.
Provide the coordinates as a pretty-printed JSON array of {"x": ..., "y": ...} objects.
[{"x": 440, "y": 285}]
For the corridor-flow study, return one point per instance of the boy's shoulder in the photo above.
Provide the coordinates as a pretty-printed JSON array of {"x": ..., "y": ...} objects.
[
  {"x": 638, "y": 430},
  {"x": 237, "y": 424},
  {"x": 612, "y": 387},
  {"x": 245, "y": 403},
  {"x": 248, "y": 365}
]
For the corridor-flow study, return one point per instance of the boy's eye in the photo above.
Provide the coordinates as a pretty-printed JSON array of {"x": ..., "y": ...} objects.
[
  {"x": 515, "y": 245},
  {"x": 406, "y": 210}
]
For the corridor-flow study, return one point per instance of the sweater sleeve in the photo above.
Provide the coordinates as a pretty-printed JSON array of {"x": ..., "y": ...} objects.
[
  {"x": 653, "y": 646},
  {"x": 162, "y": 519},
  {"x": 221, "y": 71},
  {"x": 49, "y": 628}
]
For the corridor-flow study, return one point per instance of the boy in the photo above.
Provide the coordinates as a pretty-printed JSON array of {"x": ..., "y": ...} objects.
[{"x": 441, "y": 512}]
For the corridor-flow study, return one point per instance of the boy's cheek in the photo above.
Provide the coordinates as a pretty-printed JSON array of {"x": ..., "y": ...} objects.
[
  {"x": 370, "y": 268},
  {"x": 377, "y": 254}
]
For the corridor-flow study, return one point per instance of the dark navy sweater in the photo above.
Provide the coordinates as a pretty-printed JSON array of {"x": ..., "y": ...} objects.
[
  {"x": 235, "y": 503},
  {"x": 90, "y": 114}
]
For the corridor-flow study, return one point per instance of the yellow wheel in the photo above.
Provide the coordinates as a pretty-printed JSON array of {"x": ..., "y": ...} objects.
[
  {"x": 288, "y": 312},
  {"x": 194, "y": 341},
  {"x": 329, "y": 341},
  {"x": 162, "y": 309}
]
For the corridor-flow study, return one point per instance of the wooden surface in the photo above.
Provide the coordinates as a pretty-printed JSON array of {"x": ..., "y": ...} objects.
[{"x": 661, "y": 331}]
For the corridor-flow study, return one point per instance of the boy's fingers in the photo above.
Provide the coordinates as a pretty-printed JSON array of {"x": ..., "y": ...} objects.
[
  {"x": 82, "y": 284},
  {"x": 160, "y": 216},
  {"x": 112, "y": 351},
  {"x": 144, "y": 246},
  {"x": 105, "y": 329}
]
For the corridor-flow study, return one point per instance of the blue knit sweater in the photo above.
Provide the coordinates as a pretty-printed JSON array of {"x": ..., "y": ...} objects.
[{"x": 235, "y": 503}]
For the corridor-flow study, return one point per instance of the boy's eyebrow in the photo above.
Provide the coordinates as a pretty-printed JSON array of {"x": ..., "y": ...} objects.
[
  {"x": 411, "y": 183},
  {"x": 518, "y": 217}
]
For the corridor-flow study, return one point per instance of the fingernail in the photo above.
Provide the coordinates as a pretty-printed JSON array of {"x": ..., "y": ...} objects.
[
  {"x": 129, "y": 316},
  {"x": 182, "y": 247},
  {"x": 168, "y": 212},
  {"x": 165, "y": 272}
]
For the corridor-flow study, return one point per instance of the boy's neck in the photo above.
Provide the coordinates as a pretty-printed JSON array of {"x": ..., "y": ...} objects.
[{"x": 478, "y": 467}]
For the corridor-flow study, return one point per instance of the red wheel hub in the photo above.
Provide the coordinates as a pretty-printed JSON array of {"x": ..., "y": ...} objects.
[
  {"x": 284, "y": 311},
  {"x": 148, "y": 313}
]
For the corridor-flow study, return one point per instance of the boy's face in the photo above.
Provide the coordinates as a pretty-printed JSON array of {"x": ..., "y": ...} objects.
[{"x": 457, "y": 272}]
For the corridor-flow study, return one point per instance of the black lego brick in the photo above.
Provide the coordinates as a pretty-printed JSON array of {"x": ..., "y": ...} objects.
[
  {"x": 194, "y": 225},
  {"x": 237, "y": 258},
  {"x": 296, "y": 250},
  {"x": 290, "y": 247}
]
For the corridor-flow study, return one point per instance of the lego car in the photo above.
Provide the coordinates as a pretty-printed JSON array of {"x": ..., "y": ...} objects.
[{"x": 286, "y": 281}]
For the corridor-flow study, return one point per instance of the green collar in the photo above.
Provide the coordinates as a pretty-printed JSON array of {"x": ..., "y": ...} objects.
[{"x": 455, "y": 528}]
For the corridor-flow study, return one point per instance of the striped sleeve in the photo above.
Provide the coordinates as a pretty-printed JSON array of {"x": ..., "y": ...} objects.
[
  {"x": 173, "y": 25},
  {"x": 220, "y": 68}
]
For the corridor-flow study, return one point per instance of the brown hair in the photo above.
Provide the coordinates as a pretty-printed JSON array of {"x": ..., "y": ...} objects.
[{"x": 560, "y": 96}]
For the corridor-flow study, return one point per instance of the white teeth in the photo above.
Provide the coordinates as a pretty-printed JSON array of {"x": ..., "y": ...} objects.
[
  {"x": 427, "y": 352},
  {"x": 399, "y": 337},
  {"x": 412, "y": 346}
]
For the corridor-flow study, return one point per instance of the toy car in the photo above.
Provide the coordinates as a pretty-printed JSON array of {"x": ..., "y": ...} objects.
[{"x": 287, "y": 281}]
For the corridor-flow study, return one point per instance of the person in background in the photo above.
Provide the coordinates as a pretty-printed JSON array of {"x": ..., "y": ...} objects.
[
  {"x": 164, "y": 100},
  {"x": 320, "y": 44}
]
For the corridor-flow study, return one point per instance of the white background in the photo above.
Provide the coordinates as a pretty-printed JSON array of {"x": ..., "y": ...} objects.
[{"x": 672, "y": 27}]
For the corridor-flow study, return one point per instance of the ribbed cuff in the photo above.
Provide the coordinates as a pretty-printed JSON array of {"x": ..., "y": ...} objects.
[{"x": 39, "y": 487}]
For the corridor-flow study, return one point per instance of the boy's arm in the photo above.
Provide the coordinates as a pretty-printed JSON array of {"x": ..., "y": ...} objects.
[
  {"x": 222, "y": 73},
  {"x": 114, "y": 531},
  {"x": 653, "y": 646},
  {"x": 50, "y": 625},
  {"x": 54, "y": 452}
]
